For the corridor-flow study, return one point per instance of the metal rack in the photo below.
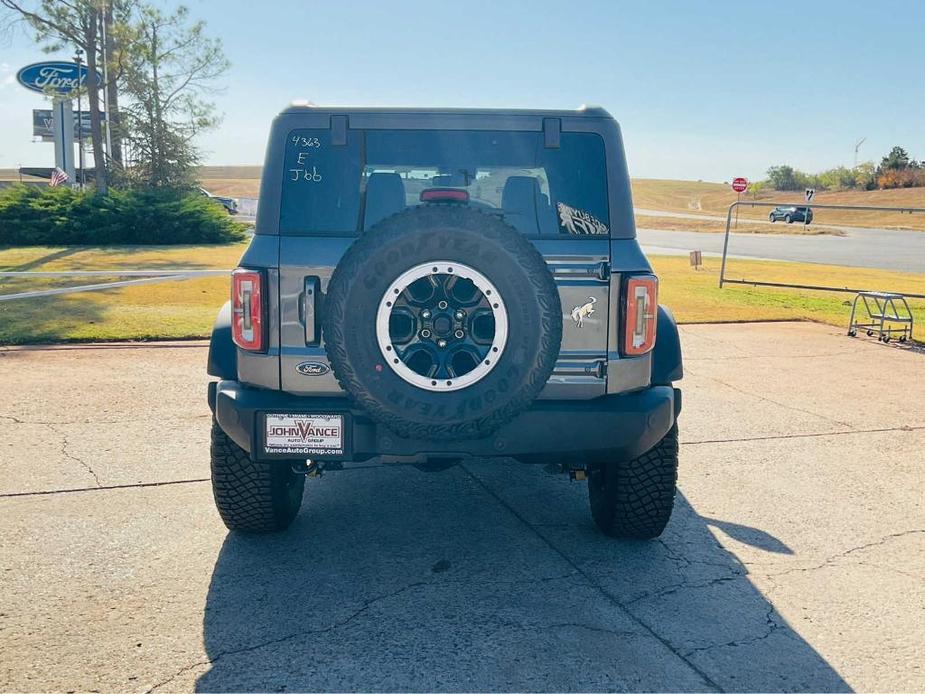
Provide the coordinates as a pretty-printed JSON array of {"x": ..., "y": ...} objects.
[{"x": 882, "y": 316}]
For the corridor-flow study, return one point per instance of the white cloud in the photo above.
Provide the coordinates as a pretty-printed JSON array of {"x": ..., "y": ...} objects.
[{"x": 7, "y": 76}]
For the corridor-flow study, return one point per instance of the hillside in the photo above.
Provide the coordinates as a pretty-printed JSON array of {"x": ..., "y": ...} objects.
[
  {"x": 697, "y": 197},
  {"x": 693, "y": 197}
]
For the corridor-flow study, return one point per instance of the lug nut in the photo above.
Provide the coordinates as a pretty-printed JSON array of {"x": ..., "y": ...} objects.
[
  {"x": 425, "y": 333},
  {"x": 425, "y": 314},
  {"x": 459, "y": 334},
  {"x": 460, "y": 315},
  {"x": 441, "y": 343},
  {"x": 442, "y": 305}
]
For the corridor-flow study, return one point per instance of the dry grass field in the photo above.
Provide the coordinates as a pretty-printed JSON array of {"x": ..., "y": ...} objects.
[
  {"x": 236, "y": 181},
  {"x": 698, "y": 197}
]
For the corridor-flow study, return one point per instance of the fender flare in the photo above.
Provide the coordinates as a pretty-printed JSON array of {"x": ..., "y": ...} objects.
[
  {"x": 223, "y": 355},
  {"x": 666, "y": 357}
]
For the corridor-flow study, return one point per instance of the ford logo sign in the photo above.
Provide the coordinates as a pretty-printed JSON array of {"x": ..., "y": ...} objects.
[
  {"x": 312, "y": 368},
  {"x": 58, "y": 77}
]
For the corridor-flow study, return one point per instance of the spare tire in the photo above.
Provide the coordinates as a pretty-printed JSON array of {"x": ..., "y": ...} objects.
[{"x": 442, "y": 322}]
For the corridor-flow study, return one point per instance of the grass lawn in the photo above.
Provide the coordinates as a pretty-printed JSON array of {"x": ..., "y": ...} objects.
[
  {"x": 186, "y": 309},
  {"x": 695, "y": 297},
  {"x": 166, "y": 310},
  {"x": 45, "y": 258}
]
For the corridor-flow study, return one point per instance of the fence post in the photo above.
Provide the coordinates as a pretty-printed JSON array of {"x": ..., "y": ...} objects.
[{"x": 722, "y": 267}]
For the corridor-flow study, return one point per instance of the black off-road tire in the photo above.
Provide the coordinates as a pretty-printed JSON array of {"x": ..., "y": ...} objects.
[
  {"x": 633, "y": 499},
  {"x": 252, "y": 497},
  {"x": 430, "y": 233}
]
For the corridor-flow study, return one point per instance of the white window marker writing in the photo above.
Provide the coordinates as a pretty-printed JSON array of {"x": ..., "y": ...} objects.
[
  {"x": 300, "y": 141},
  {"x": 310, "y": 175}
]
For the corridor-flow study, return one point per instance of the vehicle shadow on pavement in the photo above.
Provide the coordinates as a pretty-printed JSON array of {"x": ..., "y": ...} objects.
[{"x": 491, "y": 577}]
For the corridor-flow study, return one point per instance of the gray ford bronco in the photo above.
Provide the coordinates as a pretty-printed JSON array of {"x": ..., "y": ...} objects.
[{"x": 429, "y": 285}]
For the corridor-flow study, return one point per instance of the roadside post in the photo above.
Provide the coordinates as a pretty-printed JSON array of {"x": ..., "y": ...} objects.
[
  {"x": 739, "y": 185},
  {"x": 810, "y": 193},
  {"x": 63, "y": 129}
]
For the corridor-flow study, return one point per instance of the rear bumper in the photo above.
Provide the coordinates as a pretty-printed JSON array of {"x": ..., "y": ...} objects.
[{"x": 624, "y": 426}]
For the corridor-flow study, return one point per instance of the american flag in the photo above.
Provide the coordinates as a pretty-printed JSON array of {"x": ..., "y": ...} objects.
[{"x": 57, "y": 177}]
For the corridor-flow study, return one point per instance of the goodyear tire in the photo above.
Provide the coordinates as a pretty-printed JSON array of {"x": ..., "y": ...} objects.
[
  {"x": 252, "y": 497},
  {"x": 633, "y": 499},
  {"x": 501, "y": 283}
]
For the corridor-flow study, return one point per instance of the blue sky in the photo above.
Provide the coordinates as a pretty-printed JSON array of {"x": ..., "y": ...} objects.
[{"x": 703, "y": 90}]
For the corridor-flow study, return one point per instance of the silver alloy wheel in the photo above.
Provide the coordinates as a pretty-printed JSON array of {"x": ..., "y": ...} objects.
[{"x": 441, "y": 326}]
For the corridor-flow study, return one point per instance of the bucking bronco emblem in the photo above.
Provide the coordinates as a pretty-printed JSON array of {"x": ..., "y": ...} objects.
[{"x": 579, "y": 313}]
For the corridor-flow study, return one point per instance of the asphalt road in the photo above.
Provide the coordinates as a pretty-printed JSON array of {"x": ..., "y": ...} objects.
[
  {"x": 859, "y": 247},
  {"x": 903, "y": 251},
  {"x": 795, "y": 559}
]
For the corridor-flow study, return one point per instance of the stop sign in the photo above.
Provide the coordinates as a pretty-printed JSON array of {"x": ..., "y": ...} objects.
[{"x": 739, "y": 184}]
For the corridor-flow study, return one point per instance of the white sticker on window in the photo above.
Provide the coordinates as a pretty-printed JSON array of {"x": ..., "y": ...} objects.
[{"x": 579, "y": 222}]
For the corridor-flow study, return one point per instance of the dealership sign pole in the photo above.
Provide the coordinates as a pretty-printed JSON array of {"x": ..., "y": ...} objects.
[{"x": 59, "y": 80}]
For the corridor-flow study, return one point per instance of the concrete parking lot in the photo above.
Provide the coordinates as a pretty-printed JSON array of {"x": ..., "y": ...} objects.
[{"x": 795, "y": 559}]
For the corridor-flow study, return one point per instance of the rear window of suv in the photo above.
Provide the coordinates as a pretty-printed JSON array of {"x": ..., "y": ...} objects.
[{"x": 346, "y": 189}]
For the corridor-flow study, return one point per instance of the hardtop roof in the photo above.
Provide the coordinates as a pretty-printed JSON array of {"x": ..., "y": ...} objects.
[{"x": 583, "y": 111}]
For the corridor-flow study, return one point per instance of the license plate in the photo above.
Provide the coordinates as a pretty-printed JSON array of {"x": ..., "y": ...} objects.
[{"x": 304, "y": 434}]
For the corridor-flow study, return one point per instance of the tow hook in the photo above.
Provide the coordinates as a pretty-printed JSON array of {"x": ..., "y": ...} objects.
[
  {"x": 311, "y": 468},
  {"x": 577, "y": 473}
]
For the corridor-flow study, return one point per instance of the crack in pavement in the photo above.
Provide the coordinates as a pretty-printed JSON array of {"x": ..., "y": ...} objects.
[
  {"x": 674, "y": 588},
  {"x": 772, "y": 626},
  {"x": 70, "y": 456},
  {"x": 770, "y": 400},
  {"x": 682, "y": 563},
  {"x": 282, "y": 639},
  {"x": 904, "y": 427},
  {"x": 160, "y": 420},
  {"x": 90, "y": 346},
  {"x": 841, "y": 555},
  {"x": 101, "y": 488},
  {"x": 587, "y": 627},
  {"x": 367, "y": 604},
  {"x": 770, "y": 356},
  {"x": 591, "y": 582}
]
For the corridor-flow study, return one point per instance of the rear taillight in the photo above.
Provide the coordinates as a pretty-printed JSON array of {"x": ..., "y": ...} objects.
[
  {"x": 640, "y": 311},
  {"x": 248, "y": 310}
]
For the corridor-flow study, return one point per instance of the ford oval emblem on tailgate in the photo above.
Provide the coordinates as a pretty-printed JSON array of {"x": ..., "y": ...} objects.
[{"x": 312, "y": 368}]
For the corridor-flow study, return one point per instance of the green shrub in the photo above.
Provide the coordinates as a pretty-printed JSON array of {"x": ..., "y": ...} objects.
[{"x": 36, "y": 216}]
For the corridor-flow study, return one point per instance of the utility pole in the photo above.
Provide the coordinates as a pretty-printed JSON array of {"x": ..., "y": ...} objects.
[
  {"x": 78, "y": 56},
  {"x": 857, "y": 146},
  {"x": 105, "y": 18}
]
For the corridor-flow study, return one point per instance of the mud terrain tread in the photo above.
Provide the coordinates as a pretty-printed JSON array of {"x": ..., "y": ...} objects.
[
  {"x": 634, "y": 499},
  {"x": 250, "y": 496},
  {"x": 388, "y": 231}
]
